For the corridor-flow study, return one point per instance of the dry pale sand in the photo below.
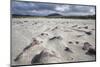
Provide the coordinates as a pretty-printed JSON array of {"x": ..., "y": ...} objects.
[{"x": 52, "y": 40}]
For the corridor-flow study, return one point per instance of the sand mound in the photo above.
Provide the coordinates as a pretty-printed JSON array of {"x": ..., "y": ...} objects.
[{"x": 46, "y": 56}]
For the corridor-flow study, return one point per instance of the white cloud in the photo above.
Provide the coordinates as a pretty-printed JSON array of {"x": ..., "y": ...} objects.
[
  {"x": 92, "y": 10},
  {"x": 62, "y": 8}
]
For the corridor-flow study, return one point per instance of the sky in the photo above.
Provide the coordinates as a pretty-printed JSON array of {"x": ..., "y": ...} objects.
[{"x": 43, "y": 9}]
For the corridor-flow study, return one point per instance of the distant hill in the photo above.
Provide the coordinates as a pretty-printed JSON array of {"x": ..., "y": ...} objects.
[{"x": 54, "y": 14}]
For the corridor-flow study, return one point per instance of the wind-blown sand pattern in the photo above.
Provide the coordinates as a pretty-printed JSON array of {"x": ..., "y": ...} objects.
[{"x": 52, "y": 40}]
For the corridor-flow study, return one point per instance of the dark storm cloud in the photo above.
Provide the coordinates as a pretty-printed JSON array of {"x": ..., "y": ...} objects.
[{"x": 29, "y": 8}]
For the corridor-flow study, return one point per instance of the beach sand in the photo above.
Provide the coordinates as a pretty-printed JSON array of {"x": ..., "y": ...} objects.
[{"x": 52, "y": 40}]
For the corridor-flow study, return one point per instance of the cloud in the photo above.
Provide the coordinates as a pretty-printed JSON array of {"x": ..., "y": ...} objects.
[
  {"x": 62, "y": 8},
  {"x": 22, "y": 5},
  {"x": 44, "y": 6},
  {"x": 92, "y": 10},
  {"x": 44, "y": 12},
  {"x": 80, "y": 10},
  {"x": 41, "y": 9}
]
